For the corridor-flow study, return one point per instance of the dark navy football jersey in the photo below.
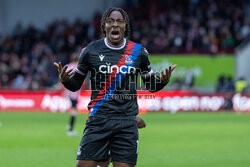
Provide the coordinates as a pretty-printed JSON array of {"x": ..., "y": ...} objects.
[{"x": 113, "y": 74}]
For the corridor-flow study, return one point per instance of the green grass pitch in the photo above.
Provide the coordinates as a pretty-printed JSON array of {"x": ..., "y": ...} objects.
[
  {"x": 211, "y": 67},
  {"x": 169, "y": 140}
]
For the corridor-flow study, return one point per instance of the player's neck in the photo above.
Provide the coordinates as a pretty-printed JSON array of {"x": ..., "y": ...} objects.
[
  {"x": 115, "y": 44},
  {"x": 112, "y": 46}
]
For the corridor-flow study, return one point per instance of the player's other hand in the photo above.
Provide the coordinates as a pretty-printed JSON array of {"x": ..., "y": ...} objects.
[
  {"x": 63, "y": 73},
  {"x": 140, "y": 122},
  {"x": 166, "y": 77}
]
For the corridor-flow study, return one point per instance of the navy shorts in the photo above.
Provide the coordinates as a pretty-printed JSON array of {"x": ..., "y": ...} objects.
[{"x": 109, "y": 137}]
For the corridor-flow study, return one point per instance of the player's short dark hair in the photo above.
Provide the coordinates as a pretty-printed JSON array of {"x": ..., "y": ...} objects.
[{"x": 107, "y": 13}]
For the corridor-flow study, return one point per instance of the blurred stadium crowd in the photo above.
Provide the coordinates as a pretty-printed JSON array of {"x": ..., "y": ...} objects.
[
  {"x": 183, "y": 27},
  {"x": 206, "y": 26}
]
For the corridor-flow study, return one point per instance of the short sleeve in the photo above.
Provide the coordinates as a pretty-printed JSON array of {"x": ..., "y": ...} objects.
[{"x": 83, "y": 63}]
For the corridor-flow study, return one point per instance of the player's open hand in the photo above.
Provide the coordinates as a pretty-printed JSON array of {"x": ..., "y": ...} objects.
[
  {"x": 140, "y": 122},
  {"x": 63, "y": 73},
  {"x": 166, "y": 77}
]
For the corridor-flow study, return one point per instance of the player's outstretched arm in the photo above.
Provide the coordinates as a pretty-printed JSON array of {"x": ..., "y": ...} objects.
[{"x": 70, "y": 79}]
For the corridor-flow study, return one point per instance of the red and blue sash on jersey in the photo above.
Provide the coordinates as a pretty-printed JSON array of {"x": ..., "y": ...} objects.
[{"x": 133, "y": 50}]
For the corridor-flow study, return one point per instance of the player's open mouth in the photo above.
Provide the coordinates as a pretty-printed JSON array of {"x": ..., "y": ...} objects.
[{"x": 115, "y": 35}]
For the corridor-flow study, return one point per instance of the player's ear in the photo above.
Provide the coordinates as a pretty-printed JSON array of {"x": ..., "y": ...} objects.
[
  {"x": 126, "y": 30},
  {"x": 103, "y": 30}
]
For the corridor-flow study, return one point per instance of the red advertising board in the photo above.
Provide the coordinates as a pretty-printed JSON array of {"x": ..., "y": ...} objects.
[
  {"x": 161, "y": 101},
  {"x": 33, "y": 101}
]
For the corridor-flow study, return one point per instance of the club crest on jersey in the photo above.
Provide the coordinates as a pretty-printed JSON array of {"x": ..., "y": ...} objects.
[
  {"x": 128, "y": 60},
  {"x": 101, "y": 57}
]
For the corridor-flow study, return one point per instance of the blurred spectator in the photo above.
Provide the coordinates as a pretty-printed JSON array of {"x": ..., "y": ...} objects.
[
  {"x": 241, "y": 85},
  {"x": 229, "y": 85},
  {"x": 177, "y": 83},
  {"x": 189, "y": 79},
  {"x": 225, "y": 84},
  {"x": 220, "y": 84},
  {"x": 228, "y": 104}
]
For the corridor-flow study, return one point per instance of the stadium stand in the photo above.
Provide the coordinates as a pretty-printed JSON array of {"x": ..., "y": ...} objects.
[{"x": 191, "y": 27}]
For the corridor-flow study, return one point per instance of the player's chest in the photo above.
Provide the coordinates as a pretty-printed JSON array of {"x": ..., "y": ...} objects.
[{"x": 110, "y": 62}]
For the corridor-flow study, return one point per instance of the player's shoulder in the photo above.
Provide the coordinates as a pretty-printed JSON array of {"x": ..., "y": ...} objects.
[
  {"x": 95, "y": 44},
  {"x": 138, "y": 45},
  {"x": 130, "y": 42},
  {"x": 91, "y": 47}
]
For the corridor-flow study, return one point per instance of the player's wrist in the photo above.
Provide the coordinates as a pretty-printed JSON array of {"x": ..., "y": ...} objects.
[
  {"x": 164, "y": 82},
  {"x": 64, "y": 80}
]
